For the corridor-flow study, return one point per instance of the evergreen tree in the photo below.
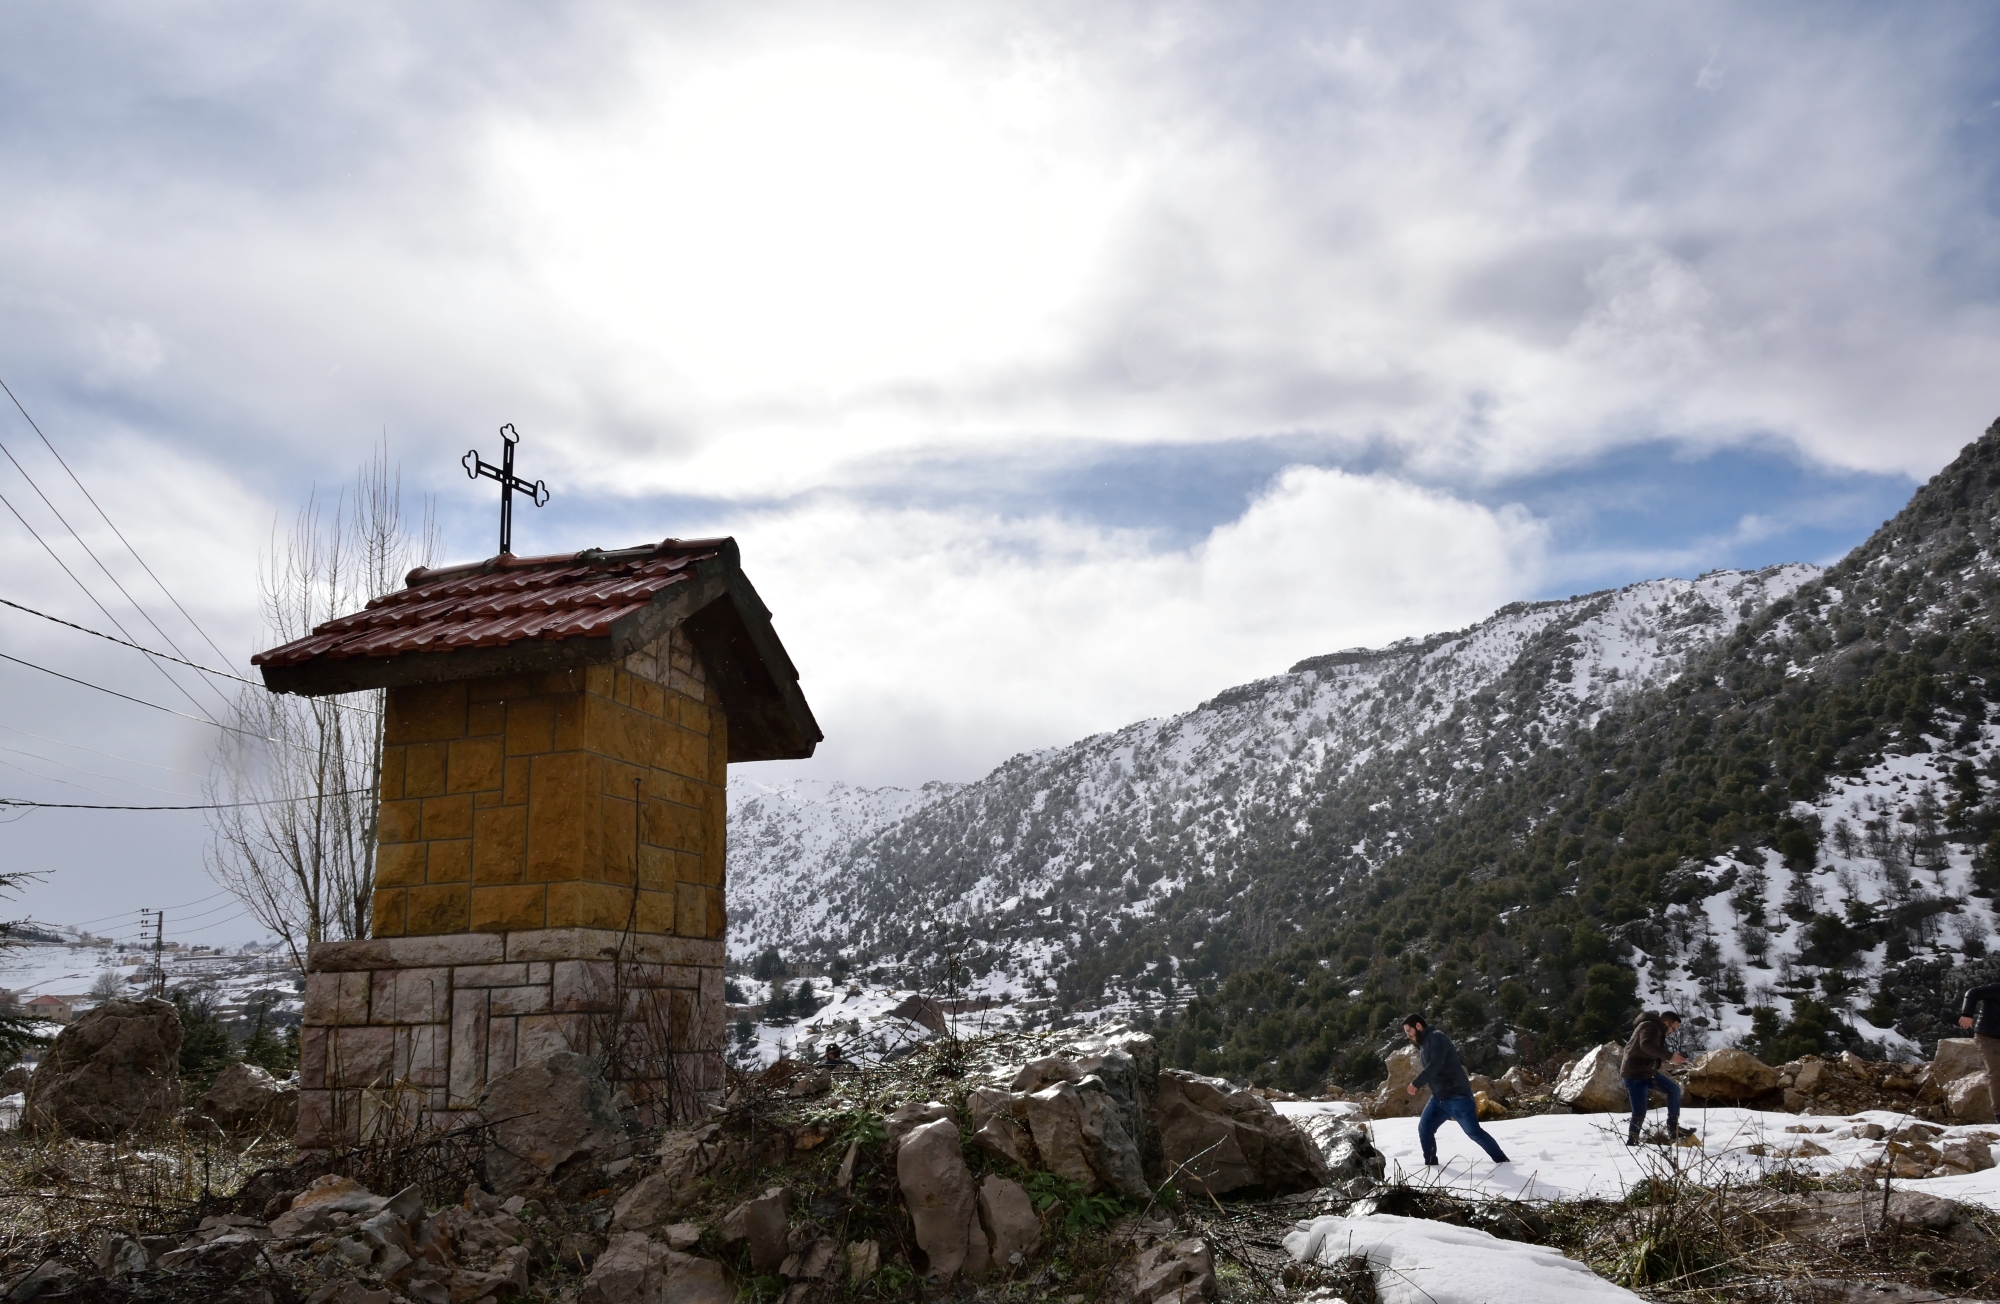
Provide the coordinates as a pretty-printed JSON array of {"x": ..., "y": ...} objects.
[{"x": 205, "y": 1046}]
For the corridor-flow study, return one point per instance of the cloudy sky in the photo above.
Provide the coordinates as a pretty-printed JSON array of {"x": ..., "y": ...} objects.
[{"x": 1055, "y": 365}]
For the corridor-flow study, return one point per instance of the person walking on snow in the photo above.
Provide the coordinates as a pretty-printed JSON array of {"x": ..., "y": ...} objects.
[
  {"x": 1451, "y": 1092},
  {"x": 1985, "y": 1034},
  {"x": 1640, "y": 1067}
]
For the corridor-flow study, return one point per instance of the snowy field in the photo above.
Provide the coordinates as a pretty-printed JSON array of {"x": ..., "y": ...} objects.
[{"x": 1569, "y": 1156}]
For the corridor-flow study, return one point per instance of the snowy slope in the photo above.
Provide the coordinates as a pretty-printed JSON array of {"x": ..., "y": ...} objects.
[
  {"x": 781, "y": 836},
  {"x": 1022, "y": 869}
]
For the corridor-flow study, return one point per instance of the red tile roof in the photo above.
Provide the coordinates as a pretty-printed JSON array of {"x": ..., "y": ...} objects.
[{"x": 504, "y": 600}]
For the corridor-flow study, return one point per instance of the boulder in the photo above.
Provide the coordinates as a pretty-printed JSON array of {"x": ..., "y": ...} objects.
[
  {"x": 1353, "y": 1164},
  {"x": 634, "y": 1269},
  {"x": 922, "y": 1011},
  {"x": 997, "y": 1124},
  {"x": 246, "y": 1098},
  {"x": 1956, "y": 1058},
  {"x": 1013, "y": 1228},
  {"x": 761, "y": 1224},
  {"x": 550, "y": 1119},
  {"x": 1731, "y": 1074},
  {"x": 116, "y": 1070},
  {"x": 1970, "y": 1099},
  {"x": 1128, "y": 1064},
  {"x": 1215, "y": 1138},
  {"x": 1592, "y": 1084},
  {"x": 937, "y": 1188},
  {"x": 1392, "y": 1101},
  {"x": 864, "y": 1260},
  {"x": 913, "y": 1114},
  {"x": 687, "y": 1156},
  {"x": 1079, "y": 1132}
]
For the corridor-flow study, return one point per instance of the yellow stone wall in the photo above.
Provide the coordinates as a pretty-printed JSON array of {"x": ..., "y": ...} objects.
[{"x": 545, "y": 800}]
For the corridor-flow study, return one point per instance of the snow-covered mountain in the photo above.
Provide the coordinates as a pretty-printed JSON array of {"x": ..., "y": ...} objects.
[{"x": 1055, "y": 846}]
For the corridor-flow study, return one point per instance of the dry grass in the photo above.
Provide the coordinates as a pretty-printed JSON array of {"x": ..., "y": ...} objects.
[{"x": 56, "y": 1193}]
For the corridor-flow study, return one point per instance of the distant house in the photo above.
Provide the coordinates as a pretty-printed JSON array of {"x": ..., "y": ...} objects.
[{"x": 56, "y": 1009}]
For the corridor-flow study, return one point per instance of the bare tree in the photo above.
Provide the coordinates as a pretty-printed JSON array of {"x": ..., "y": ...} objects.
[{"x": 295, "y": 838}]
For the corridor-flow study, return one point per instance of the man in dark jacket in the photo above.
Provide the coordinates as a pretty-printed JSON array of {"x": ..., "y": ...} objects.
[
  {"x": 1451, "y": 1091},
  {"x": 1640, "y": 1067},
  {"x": 1980, "y": 1011}
]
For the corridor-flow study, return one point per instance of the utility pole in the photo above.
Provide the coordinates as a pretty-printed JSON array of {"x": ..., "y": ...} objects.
[{"x": 158, "y": 919}]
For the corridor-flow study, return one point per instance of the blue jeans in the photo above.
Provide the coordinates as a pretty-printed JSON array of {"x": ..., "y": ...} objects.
[
  {"x": 1463, "y": 1110},
  {"x": 1639, "y": 1088}
]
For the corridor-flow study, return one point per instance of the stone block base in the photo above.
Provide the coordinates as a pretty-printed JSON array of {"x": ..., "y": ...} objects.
[{"x": 406, "y": 1031}]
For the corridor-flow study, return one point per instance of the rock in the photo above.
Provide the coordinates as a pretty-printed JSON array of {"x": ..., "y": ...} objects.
[
  {"x": 1970, "y": 1099},
  {"x": 1392, "y": 1101},
  {"x": 681, "y": 1236},
  {"x": 1013, "y": 1228},
  {"x": 16, "y": 1079},
  {"x": 634, "y": 1269},
  {"x": 44, "y": 1278},
  {"x": 914, "y": 1114},
  {"x": 1592, "y": 1085},
  {"x": 687, "y": 1157},
  {"x": 819, "y": 1261},
  {"x": 922, "y": 1011},
  {"x": 312, "y": 1209},
  {"x": 550, "y": 1119},
  {"x": 246, "y": 1098},
  {"x": 1217, "y": 1139},
  {"x": 1164, "y": 1269},
  {"x": 997, "y": 1126},
  {"x": 118, "y": 1255},
  {"x": 937, "y": 1188},
  {"x": 1518, "y": 1081},
  {"x": 761, "y": 1222},
  {"x": 1353, "y": 1164},
  {"x": 1488, "y": 1087},
  {"x": 1731, "y": 1074},
  {"x": 1489, "y": 1108},
  {"x": 116, "y": 1070},
  {"x": 1957, "y": 1057},
  {"x": 577, "y": 1251},
  {"x": 1849, "y": 1215},
  {"x": 1812, "y": 1076},
  {"x": 1079, "y": 1133},
  {"x": 864, "y": 1259},
  {"x": 1128, "y": 1064}
]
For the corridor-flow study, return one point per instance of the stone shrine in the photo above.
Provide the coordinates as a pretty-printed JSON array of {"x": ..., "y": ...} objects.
[{"x": 550, "y": 867}]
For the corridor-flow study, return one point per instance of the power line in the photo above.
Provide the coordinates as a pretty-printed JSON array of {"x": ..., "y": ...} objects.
[
  {"x": 94, "y": 752},
  {"x": 114, "y": 529},
  {"x": 49, "y": 778},
  {"x": 135, "y": 910},
  {"x": 20, "y": 803},
  {"x": 115, "y": 622},
  {"x": 247, "y": 733},
  {"x": 136, "y": 647},
  {"x": 50, "y": 760}
]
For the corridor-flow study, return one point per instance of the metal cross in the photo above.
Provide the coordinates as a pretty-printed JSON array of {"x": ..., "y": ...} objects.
[{"x": 538, "y": 491}]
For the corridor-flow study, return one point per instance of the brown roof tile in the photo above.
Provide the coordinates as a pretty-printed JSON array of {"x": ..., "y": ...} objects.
[{"x": 502, "y": 601}]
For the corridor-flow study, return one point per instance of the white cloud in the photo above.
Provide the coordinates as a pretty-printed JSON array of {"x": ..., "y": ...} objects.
[{"x": 935, "y": 644}]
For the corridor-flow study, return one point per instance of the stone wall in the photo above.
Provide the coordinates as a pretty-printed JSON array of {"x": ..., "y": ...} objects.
[
  {"x": 418, "y": 1025},
  {"x": 543, "y": 801}
]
